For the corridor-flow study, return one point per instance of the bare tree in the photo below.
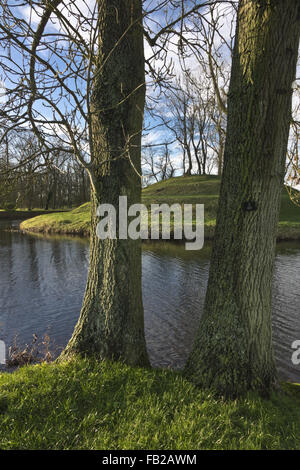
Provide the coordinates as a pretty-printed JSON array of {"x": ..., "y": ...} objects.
[
  {"x": 293, "y": 154},
  {"x": 81, "y": 78}
]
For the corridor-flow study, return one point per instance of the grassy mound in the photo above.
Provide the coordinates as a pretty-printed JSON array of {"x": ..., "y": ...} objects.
[
  {"x": 84, "y": 404},
  {"x": 190, "y": 190},
  {"x": 75, "y": 222}
]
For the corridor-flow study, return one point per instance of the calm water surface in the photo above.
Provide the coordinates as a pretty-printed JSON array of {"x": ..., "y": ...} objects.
[{"x": 42, "y": 281}]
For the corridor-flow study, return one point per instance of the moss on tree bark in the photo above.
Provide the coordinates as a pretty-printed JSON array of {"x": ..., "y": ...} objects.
[
  {"x": 233, "y": 351},
  {"x": 111, "y": 323}
]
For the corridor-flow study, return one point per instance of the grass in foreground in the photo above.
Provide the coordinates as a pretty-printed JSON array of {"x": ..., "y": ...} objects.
[
  {"x": 190, "y": 190},
  {"x": 84, "y": 404}
]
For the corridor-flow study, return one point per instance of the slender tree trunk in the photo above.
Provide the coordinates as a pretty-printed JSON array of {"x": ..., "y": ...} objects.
[
  {"x": 29, "y": 190},
  {"x": 49, "y": 194},
  {"x": 196, "y": 153},
  {"x": 83, "y": 187},
  {"x": 204, "y": 156},
  {"x": 220, "y": 157},
  {"x": 233, "y": 350},
  {"x": 111, "y": 323},
  {"x": 183, "y": 160},
  {"x": 190, "y": 163}
]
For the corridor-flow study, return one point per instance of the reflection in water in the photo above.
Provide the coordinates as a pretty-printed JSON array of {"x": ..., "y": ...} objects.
[
  {"x": 41, "y": 286},
  {"x": 42, "y": 281},
  {"x": 286, "y": 308},
  {"x": 174, "y": 291}
]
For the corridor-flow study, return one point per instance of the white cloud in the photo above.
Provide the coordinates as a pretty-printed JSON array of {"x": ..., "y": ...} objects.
[
  {"x": 74, "y": 12},
  {"x": 3, "y": 96}
]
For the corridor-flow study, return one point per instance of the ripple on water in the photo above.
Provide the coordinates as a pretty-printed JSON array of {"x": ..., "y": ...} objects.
[{"x": 42, "y": 282}]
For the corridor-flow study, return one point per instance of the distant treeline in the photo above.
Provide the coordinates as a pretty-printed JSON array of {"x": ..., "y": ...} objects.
[{"x": 31, "y": 179}]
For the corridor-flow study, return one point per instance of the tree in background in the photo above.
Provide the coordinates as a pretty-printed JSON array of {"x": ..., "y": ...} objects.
[
  {"x": 193, "y": 120},
  {"x": 233, "y": 351},
  {"x": 157, "y": 164},
  {"x": 293, "y": 160},
  {"x": 192, "y": 102},
  {"x": 31, "y": 179}
]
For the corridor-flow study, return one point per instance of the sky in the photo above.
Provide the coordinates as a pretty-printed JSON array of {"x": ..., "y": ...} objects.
[
  {"x": 154, "y": 22},
  {"x": 226, "y": 22}
]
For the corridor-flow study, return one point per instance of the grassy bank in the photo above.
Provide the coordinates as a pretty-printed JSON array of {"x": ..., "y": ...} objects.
[
  {"x": 88, "y": 405},
  {"x": 75, "y": 222},
  {"x": 193, "y": 190}
]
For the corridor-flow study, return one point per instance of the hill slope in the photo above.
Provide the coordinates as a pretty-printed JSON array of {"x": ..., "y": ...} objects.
[{"x": 193, "y": 190}]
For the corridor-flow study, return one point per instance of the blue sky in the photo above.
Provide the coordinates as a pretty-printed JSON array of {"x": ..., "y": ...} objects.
[{"x": 154, "y": 22}]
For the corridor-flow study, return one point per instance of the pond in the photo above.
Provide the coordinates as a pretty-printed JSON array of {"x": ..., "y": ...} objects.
[{"x": 42, "y": 281}]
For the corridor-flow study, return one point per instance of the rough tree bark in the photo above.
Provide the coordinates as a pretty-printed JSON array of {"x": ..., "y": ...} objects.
[
  {"x": 233, "y": 349},
  {"x": 111, "y": 323}
]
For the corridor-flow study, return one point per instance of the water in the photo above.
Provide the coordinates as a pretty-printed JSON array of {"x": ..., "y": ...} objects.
[{"x": 42, "y": 281}]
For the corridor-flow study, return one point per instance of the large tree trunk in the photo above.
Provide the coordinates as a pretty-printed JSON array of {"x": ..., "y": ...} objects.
[
  {"x": 233, "y": 349},
  {"x": 111, "y": 323}
]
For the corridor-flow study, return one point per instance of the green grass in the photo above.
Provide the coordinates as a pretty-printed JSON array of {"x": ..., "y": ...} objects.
[
  {"x": 192, "y": 190},
  {"x": 75, "y": 222},
  {"x": 84, "y": 404}
]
